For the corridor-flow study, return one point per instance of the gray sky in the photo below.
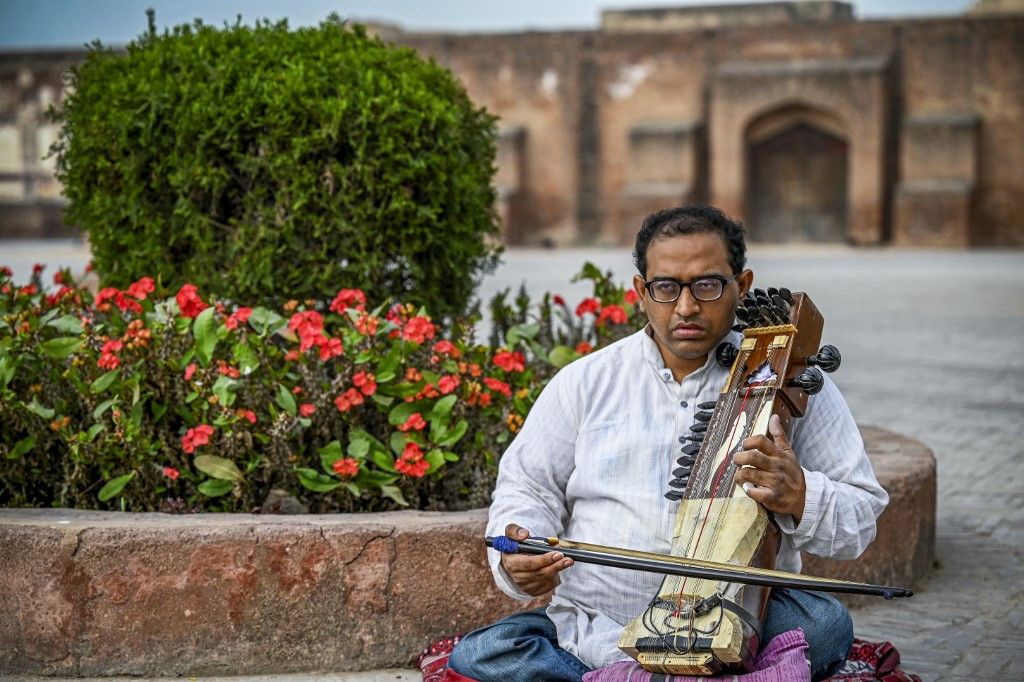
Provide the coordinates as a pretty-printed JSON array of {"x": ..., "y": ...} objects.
[{"x": 72, "y": 23}]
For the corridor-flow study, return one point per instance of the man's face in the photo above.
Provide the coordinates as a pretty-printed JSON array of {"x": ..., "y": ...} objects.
[{"x": 687, "y": 329}]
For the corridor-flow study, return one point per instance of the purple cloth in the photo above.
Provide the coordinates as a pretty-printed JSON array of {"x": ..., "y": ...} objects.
[{"x": 783, "y": 660}]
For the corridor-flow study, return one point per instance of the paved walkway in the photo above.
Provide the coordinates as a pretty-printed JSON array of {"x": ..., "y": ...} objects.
[{"x": 931, "y": 348}]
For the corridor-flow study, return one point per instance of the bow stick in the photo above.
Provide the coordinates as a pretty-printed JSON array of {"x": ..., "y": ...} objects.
[{"x": 691, "y": 568}]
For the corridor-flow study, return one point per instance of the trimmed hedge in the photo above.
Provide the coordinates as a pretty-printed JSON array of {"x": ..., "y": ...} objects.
[{"x": 270, "y": 164}]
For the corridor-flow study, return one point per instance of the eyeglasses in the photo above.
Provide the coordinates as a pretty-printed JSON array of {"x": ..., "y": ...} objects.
[{"x": 668, "y": 290}]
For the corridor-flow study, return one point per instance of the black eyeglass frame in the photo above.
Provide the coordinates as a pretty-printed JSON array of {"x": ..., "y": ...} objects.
[{"x": 722, "y": 280}]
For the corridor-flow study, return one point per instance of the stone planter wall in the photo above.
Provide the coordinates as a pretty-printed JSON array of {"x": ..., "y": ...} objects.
[{"x": 95, "y": 593}]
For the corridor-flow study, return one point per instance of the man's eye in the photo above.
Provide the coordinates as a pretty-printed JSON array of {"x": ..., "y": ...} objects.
[
  {"x": 666, "y": 287},
  {"x": 706, "y": 285}
]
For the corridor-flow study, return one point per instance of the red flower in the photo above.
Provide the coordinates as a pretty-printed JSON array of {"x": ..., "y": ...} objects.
[
  {"x": 29, "y": 290},
  {"x": 497, "y": 385},
  {"x": 331, "y": 349},
  {"x": 614, "y": 313},
  {"x": 415, "y": 422},
  {"x": 291, "y": 356},
  {"x": 558, "y": 300},
  {"x": 240, "y": 316},
  {"x": 58, "y": 277},
  {"x": 142, "y": 288},
  {"x": 418, "y": 330},
  {"x": 510, "y": 362},
  {"x": 124, "y": 303},
  {"x": 37, "y": 268},
  {"x": 447, "y": 384},
  {"x": 189, "y": 302},
  {"x": 631, "y": 296},
  {"x": 108, "y": 361},
  {"x": 588, "y": 305},
  {"x": 200, "y": 435},
  {"x": 411, "y": 462},
  {"x": 346, "y": 467},
  {"x": 367, "y": 325},
  {"x": 348, "y": 298},
  {"x": 171, "y": 473},
  {"x": 365, "y": 382},
  {"x": 306, "y": 409},
  {"x": 111, "y": 347},
  {"x": 448, "y": 348},
  {"x": 309, "y": 326},
  {"x": 189, "y": 371},
  {"x": 246, "y": 414},
  {"x": 584, "y": 347},
  {"x": 349, "y": 399},
  {"x": 228, "y": 371}
]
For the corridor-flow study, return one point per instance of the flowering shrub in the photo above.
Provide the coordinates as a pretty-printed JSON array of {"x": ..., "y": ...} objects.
[{"x": 147, "y": 399}]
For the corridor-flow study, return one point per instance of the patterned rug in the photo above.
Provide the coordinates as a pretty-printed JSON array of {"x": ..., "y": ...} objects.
[{"x": 868, "y": 661}]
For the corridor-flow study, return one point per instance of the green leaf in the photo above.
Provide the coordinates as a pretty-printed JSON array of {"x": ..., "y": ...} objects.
[
  {"x": 382, "y": 400},
  {"x": 454, "y": 435},
  {"x": 103, "y": 407},
  {"x": 44, "y": 412},
  {"x": 398, "y": 440},
  {"x": 204, "y": 329},
  {"x": 443, "y": 407},
  {"x": 390, "y": 362},
  {"x": 245, "y": 357},
  {"x": 451, "y": 457},
  {"x": 94, "y": 431},
  {"x": 115, "y": 486},
  {"x": 393, "y": 493},
  {"x": 357, "y": 449},
  {"x": 401, "y": 413},
  {"x": 69, "y": 324},
  {"x": 435, "y": 458},
  {"x": 316, "y": 481},
  {"x": 521, "y": 331},
  {"x": 103, "y": 383},
  {"x": 218, "y": 467},
  {"x": 21, "y": 447},
  {"x": 265, "y": 321},
  {"x": 61, "y": 347},
  {"x": 215, "y": 488},
  {"x": 285, "y": 399},
  {"x": 560, "y": 356},
  {"x": 224, "y": 388},
  {"x": 136, "y": 414}
]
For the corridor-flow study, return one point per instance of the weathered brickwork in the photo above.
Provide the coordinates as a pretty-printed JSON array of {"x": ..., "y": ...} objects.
[{"x": 803, "y": 122}]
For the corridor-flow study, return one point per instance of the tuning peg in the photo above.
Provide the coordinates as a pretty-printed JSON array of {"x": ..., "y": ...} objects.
[
  {"x": 828, "y": 358},
  {"x": 690, "y": 449},
  {"x": 786, "y": 295},
  {"x": 772, "y": 292},
  {"x": 703, "y": 416},
  {"x": 760, "y": 293},
  {"x": 709, "y": 405},
  {"x": 675, "y": 495},
  {"x": 678, "y": 482},
  {"x": 742, "y": 315},
  {"x": 811, "y": 380},
  {"x": 726, "y": 353},
  {"x": 681, "y": 472},
  {"x": 694, "y": 437},
  {"x": 699, "y": 427}
]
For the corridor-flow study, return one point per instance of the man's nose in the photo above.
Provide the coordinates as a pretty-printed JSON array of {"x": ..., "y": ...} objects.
[{"x": 686, "y": 304}]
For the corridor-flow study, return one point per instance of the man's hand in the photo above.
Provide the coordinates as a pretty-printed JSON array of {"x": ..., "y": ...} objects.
[
  {"x": 535, "y": 574},
  {"x": 773, "y": 467}
]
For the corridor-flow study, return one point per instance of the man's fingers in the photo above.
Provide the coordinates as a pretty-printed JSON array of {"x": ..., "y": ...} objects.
[{"x": 516, "y": 532}]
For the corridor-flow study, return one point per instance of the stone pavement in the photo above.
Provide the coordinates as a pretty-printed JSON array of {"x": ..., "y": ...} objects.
[{"x": 929, "y": 344}]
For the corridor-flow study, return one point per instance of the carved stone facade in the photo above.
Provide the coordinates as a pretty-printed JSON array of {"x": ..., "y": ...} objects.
[{"x": 806, "y": 124}]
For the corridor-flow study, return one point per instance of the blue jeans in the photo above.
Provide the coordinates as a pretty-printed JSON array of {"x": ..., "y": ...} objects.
[{"x": 524, "y": 646}]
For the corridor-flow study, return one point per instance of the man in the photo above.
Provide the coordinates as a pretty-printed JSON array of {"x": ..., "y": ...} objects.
[{"x": 594, "y": 457}]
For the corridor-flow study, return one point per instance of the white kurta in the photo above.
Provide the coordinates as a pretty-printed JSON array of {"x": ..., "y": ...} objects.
[{"x": 593, "y": 461}]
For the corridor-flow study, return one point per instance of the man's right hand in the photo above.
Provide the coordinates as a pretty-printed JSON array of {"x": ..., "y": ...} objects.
[{"x": 535, "y": 574}]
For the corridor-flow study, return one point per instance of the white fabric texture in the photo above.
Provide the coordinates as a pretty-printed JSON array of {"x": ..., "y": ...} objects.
[{"x": 593, "y": 461}]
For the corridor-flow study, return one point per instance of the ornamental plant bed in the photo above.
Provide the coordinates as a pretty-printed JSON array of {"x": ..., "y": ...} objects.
[{"x": 145, "y": 399}]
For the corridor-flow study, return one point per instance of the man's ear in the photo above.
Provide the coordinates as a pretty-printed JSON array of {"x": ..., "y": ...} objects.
[
  {"x": 746, "y": 280},
  {"x": 641, "y": 292}
]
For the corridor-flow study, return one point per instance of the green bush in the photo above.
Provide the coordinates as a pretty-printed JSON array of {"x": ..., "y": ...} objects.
[
  {"x": 267, "y": 164},
  {"x": 149, "y": 399}
]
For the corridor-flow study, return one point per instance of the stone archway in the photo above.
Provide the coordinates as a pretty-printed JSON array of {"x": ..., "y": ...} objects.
[{"x": 797, "y": 177}]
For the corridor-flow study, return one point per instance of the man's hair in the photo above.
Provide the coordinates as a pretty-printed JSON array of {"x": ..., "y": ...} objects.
[{"x": 691, "y": 220}]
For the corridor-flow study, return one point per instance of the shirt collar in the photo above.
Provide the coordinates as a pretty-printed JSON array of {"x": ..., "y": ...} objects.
[{"x": 653, "y": 358}]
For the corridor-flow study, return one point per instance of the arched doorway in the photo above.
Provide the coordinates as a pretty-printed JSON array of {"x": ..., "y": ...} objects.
[{"x": 797, "y": 161}]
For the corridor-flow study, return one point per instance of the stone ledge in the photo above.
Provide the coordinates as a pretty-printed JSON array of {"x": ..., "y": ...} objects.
[{"x": 96, "y": 593}]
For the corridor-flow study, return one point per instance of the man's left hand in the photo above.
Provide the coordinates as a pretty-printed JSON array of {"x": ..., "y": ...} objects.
[{"x": 774, "y": 469}]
